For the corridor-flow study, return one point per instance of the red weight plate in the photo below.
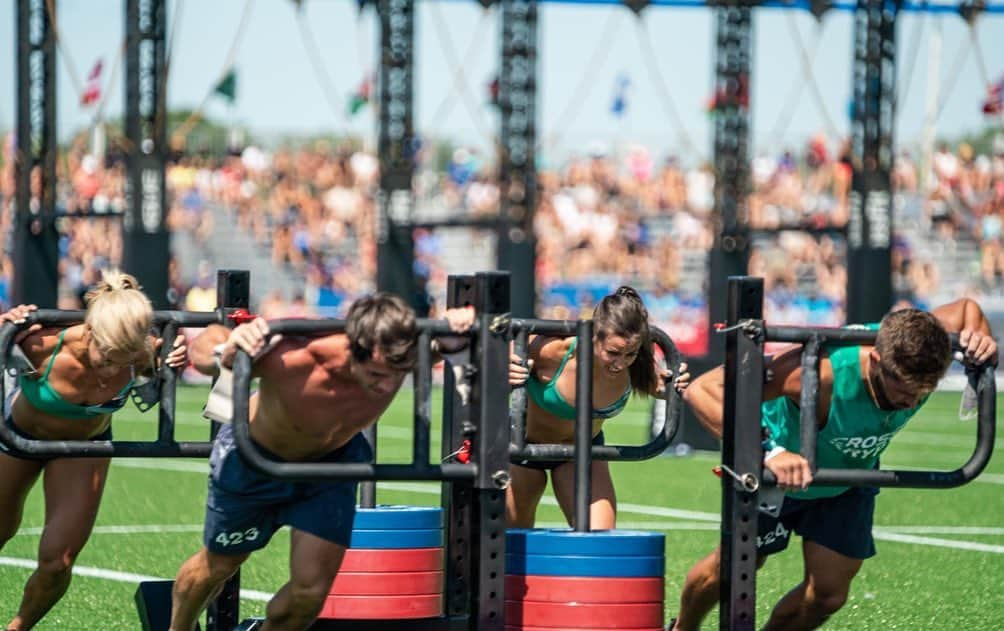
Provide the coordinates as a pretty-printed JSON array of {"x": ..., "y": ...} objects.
[
  {"x": 383, "y": 607},
  {"x": 404, "y": 560},
  {"x": 387, "y": 583},
  {"x": 590, "y": 616},
  {"x": 517, "y": 628},
  {"x": 584, "y": 589}
]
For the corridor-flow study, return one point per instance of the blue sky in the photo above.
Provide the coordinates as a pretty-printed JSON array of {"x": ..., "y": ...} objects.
[{"x": 584, "y": 50}]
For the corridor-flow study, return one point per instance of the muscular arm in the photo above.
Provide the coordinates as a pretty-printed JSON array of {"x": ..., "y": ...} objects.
[
  {"x": 706, "y": 395},
  {"x": 961, "y": 315},
  {"x": 966, "y": 318},
  {"x": 200, "y": 350}
]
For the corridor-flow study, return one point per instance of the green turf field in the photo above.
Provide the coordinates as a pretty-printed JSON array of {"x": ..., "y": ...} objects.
[{"x": 940, "y": 563}]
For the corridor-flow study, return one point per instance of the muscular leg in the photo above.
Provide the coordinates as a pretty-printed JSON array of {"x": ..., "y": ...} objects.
[
  {"x": 16, "y": 479},
  {"x": 313, "y": 563},
  {"x": 822, "y": 592},
  {"x": 603, "y": 503},
  {"x": 526, "y": 486},
  {"x": 73, "y": 488},
  {"x": 199, "y": 580},
  {"x": 701, "y": 591}
]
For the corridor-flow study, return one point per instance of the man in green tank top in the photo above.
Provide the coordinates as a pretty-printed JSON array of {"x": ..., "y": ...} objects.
[{"x": 866, "y": 395}]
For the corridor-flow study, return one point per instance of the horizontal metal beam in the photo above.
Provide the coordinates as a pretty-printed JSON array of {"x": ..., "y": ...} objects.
[
  {"x": 805, "y": 5},
  {"x": 519, "y": 450}
]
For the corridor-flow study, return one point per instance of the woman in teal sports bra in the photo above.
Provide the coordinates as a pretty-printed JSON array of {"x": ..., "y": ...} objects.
[
  {"x": 623, "y": 364},
  {"x": 82, "y": 375}
]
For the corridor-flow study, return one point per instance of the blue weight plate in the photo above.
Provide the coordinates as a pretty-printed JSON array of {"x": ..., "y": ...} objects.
[
  {"x": 398, "y": 518},
  {"x": 576, "y": 565},
  {"x": 615, "y": 543},
  {"x": 388, "y": 539}
]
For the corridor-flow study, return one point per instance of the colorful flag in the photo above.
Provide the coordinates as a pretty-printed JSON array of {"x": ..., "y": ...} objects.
[
  {"x": 994, "y": 103},
  {"x": 227, "y": 87},
  {"x": 362, "y": 95},
  {"x": 724, "y": 99},
  {"x": 493, "y": 92},
  {"x": 92, "y": 91},
  {"x": 619, "y": 105}
]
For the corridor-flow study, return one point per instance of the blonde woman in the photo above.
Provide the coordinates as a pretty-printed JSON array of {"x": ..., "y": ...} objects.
[{"x": 82, "y": 375}]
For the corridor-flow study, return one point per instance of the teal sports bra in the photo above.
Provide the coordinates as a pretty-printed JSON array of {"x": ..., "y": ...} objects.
[
  {"x": 547, "y": 397},
  {"x": 40, "y": 394}
]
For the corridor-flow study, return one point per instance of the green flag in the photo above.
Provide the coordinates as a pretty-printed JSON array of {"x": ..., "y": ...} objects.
[
  {"x": 359, "y": 98},
  {"x": 227, "y": 87}
]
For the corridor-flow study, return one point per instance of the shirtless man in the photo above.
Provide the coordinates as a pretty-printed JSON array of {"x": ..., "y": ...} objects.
[{"x": 315, "y": 396}]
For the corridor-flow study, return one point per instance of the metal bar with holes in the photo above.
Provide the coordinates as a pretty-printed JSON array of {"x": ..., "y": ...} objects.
[
  {"x": 167, "y": 323},
  {"x": 520, "y": 450},
  {"x": 416, "y": 470}
]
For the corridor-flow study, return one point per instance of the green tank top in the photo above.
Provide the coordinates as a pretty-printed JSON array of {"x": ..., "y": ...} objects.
[
  {"x": 43, "y": 397},
  {"x": 856, "y": 432},
  {"x": 547, "y": 397}
]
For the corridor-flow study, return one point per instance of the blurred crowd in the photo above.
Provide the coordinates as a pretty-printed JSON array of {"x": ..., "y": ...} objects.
[{"x": 607, "y": 216}]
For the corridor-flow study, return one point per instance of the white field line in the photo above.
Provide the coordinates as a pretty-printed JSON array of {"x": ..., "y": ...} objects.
[
  {"x": 121, "y": 577},
  {"x": 128, "y": 530},
  {"x": 194, "y": 466},
  {"x": 627, "y": 525},
  {"x": 888, "y": 533},
  {"x": 938, "y": 543}
]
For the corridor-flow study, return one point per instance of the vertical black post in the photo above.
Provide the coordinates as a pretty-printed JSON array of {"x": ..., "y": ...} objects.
[
  {"x": 741, "y": 452},
  {"x": 517, "y": 245},
  {"x": 517, "y": 398},
  {"x": 233, "y": 291},
  {"x": 730, "y": 253},
  {"x": 367, "y": 489},
  {"x": 457, "y": 497},
  {"x": 397, "y": 147},
  {"x": 809, "y": 400},
  {"x": 168, "y": 386},
  {"x": 146, "y": 245},
  {"x": 869, "y": 228},
  {"x": 490, "y": 410},
  {"x": 36, "y": 243},
  {"x": 583, "y": 425},
  {"x": 422, "y": 400}
]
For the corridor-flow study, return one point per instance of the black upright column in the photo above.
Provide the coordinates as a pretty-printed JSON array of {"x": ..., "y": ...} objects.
[
  {"x": 395, "y": 246},
  {"x": 869, "y": 228},
  {"x": 730, "y": 252},
  {"x": 741, "y": 454},
  {"x": 36, "y": 251},
  {"x": 146, "y": 244},
  {"x": 517, "y": 249}
]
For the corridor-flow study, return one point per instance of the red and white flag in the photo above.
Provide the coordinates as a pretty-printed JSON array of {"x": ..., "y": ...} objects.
[
  {"x": 994, "y": 103},
  {"x": 92, "y": 91}
]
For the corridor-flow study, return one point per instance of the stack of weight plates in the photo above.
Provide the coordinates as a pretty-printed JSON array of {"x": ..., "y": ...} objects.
[
  {"x": 581, "y": 581},
  {"x": 394, "y": 568}
]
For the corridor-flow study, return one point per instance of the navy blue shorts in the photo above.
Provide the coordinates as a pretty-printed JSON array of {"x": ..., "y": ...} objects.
[
  {"x": 8, "y": 421},
  {"x": 842, "y": 523},
  {"x": 245, "y": 508},
  {"x": 551, "y": 465}
]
